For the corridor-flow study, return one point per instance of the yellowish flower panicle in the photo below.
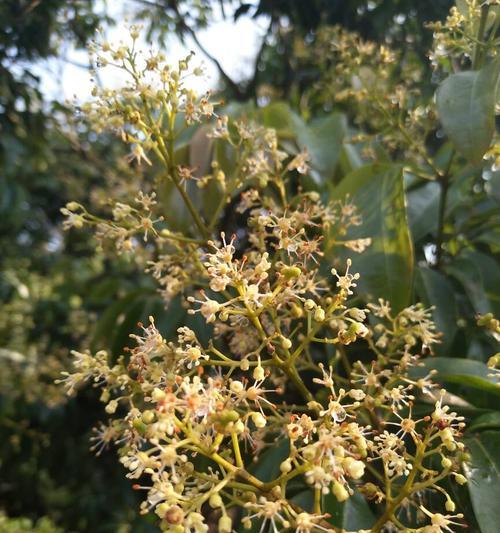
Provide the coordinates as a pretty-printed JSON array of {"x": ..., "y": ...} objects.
[{"x": 290, "y": 357}]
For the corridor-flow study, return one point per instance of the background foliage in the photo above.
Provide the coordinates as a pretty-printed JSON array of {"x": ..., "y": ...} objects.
[{"x": 432, "y": 213}]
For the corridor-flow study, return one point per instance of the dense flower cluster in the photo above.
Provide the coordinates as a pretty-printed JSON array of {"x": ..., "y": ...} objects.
[{"x": 191, "y": 417}]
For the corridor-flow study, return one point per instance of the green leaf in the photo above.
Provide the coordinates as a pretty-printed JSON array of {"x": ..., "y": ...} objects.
[
  {"x": 467, "y": 372},
  {"x": 423, "y": 205},
  {"x": 279, "y": 116},
  {"x": 386, "y": 267},
  {"x": 268, "y": 466},
  {"x": 435, "y": 289},
  {"x": 110, "y": 319},
  {"x": 480, "y": 276},
  {"x": 351, "y": 515},
  {"x": 466, "y": 107},
  {"x": 323, "y": 139},
  {"x": 486, "y": 421},
  {"x": 483, "y": 474}
]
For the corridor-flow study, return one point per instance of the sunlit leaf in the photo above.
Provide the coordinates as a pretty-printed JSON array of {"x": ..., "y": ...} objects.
[
  {"x": 466, "y": 106},
  {"x": 386, "y": 267}
]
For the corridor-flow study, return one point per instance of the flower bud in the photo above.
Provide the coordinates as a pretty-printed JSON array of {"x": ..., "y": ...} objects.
[
  {"x": 446, "y": 463},
  {"x": 461, "y": 480},
  {"x": 174, "y": 515},
  {"x": 310, "y": 304},
  {"x": 450, "y": 506},
  {"x": 354, "y": 468},
  {"x": 158, "y": 395},
  {"x": 286, "y": 466},
  {"x": 319, "y": 314},
  {"x": 238, "y": 427},
  {"x": 237, "y": 386},
  {"x": 291, "y": 272},
  {"x": 111, "y": 407},
  {"x": 148, "y": 417},
  {"x": 340, "y": 492},
  {"x": 286, "y": 343},
  {"x": 258, "y": 419},
  {"x": 215, "y": 501},
  {"x": 258, "y": 373},
  {"x": 297, "y": 311},
  {"x": 225, "y": 524}
]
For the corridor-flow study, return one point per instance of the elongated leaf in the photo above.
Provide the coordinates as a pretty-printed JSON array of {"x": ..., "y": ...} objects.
[
  {"x": 466, "y": 107},
  {"x": 351, "y": 515},
  {"x": 479, "y": 275},
  {"x": 386, "y": 267},
  {"x": 268, "y": 466},
  {"x": 423, "y": 205},
  {"x": 486, "y": 421},
  {"x": 323, "y": 139},
  {"x": 109, "y": 320},
  {"x": 465, "y": 372},
  {"x": 435, "y": 289},
  {"x": 483, "y": 474}
]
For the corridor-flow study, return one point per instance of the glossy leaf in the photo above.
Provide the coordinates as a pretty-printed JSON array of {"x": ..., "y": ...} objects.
[
  {"x": 486, "y": 421},
  {"x": 386, "y": 267},
  {"x": 323, "y": 139},
  {"x": 466, "y": 107},
  {"x": 467, "y": 372},
  {"x": 434, "y": 289},
  {"x": 483, "y": 474},
  {"x": 479, "y": 275},
  {"x": 423, "y": 205},
  {"x": 268, "y": 466},
  {"x": 351, "y": 515}
]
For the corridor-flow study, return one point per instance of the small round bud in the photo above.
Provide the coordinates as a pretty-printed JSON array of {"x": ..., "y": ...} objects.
[
  {"x": 72, "y": 206},
  {"x": 258, "y": 373},
  {"x": 297, "y": 311},
  {"x": 158, "y": 395},
  {"x": 258, "y": 419},
  {"x": 236, "y": 386},
  {"x": 309, "y": 304},
  {"x": 286, "y": 466},
  {"x": 446, "y": 463},
  {"x": 148, "y": 417},
  {"x": 286, "y": 343},
  {"x": 450, "y": 506},
  {"x": 340, "y": 492},
  {"x": 174, "y": 515},
  {"x": 225, "y": 524},
  {"x": 319, "y": 314},
  {"x": 291, "y": 272},
  {"x": 111, "y": 407},
  {"x": 238, "y": 427},
  {"x": 215, "y": 501},
  {"x": 354, "y": 468}
]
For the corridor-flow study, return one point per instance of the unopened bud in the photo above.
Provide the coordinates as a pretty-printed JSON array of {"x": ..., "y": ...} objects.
[
  {"x": 286, "y": 466},
  {"x": 215, "y": 501},
  {"x": 258, "y": 419},
  {"x": 340, "y": 492},
  {"x": 225, "y": 524}
]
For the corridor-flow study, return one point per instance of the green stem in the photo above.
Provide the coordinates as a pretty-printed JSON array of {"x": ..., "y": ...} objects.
[
  {"x": 407, "y": 489},
  {"x": 444, "y": 183},
  {"x": 477, "y": 58}
]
